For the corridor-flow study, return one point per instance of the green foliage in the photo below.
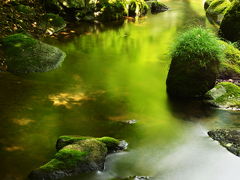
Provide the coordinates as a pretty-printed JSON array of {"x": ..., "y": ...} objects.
[
  {"x": 197, "y": 45},
  {"x": 195, "y": 58},
  {"x": 137, "y": 8},
  {"x": 225, "y": 94}
]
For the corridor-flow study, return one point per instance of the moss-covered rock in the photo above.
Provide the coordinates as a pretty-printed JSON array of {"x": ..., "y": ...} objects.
[
  {"x": 102, "y": 10},
  {"x": 230, "y": 139},
  {"x": 24, "y": 54},
  {"x": 230, "y": 26},
  {"x": 84, "y": 156},
  {"x": 112, "y": 144},
  {"x": 157, "y": 7},
  {"x": 230, "y": 65},
  {"x": 52, "y": 22},
  {"x": 217, "y": 9},
  {"x": 225, "y": 95},
  {"x": 76, "y": 155},
  {"x": 194, "y": 67}
]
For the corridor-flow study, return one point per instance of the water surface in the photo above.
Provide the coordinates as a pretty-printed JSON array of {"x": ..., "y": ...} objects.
[{"x": 111, "y": 76}]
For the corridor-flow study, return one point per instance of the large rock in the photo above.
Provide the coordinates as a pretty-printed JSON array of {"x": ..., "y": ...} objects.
[
  {"x": 77, "y": 155},
  {"x": 23, "y": 54},
  {"x": 230, "y": 139},
  {"x": 225, "y": 95},
  {"x": 230, "y": 65},
  {"x": 217, "y": 9},
  {"x": 194, "y": 66},
  {"x": 230, "y": 26}
]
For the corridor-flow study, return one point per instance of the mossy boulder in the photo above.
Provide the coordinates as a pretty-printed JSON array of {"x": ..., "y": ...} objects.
[
  {"x": 52, "y": 22},
  {"x": 228, "y": 138},
  {"x": 217, "y": 9},
  {"x": 194, "y": 67},
  {"x": 230, "y": 65},
  {"x": 112, "y": 144},
  {"x": 157, "y": 7},
  {"x": 24, "y": 54},
  {"x": 225, "y": 95},
  {"x": 77, "y": 155},
  {"x": 230, "y": 26}
]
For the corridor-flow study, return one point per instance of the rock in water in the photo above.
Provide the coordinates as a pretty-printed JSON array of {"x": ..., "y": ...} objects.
[
  {"x": 24, "y": 54},
  {"x": 77, "y": 155},
  {"x": 230, "y": 26},
  {"x": 157, "y": 7},
  {"x": 225, "y": 95},
  {"x": 194, "y": 67},
  {"x": 230, "y": 139}
]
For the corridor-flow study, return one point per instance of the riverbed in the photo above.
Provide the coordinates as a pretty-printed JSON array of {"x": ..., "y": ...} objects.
[{"x": 112, "y": 83}]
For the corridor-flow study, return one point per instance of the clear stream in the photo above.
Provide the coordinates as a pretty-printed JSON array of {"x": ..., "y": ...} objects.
[{"x": 107, "y": 79}]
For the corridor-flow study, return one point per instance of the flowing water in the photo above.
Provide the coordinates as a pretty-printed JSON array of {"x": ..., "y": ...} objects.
[{"x": 110, "y": 78}]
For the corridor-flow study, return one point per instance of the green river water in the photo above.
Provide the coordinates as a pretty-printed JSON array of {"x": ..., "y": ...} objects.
[{"x": 111, "y": 76}]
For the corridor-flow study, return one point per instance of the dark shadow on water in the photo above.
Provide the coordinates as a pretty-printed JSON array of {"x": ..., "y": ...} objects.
[{"x": 190, "y": 110}]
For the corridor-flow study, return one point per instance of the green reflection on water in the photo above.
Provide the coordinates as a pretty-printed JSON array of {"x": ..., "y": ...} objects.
[{"x": 107, "y": 78}]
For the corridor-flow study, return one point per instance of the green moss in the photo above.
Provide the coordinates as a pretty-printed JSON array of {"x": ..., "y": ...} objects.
[
  {"x": 230, "y": 26},
  {"x": 225, "y": 94},
  {"x": 230, "y": 66},
  {"x": 111, "y": 143},
  {"x": 195, "y": 59},
  {"x": 24, "y": 54},
  {"x": 66, "y": 140}
]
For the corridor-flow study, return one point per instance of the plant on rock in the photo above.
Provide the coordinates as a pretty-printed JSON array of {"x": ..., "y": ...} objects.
[{"x": 194, "y": 67}]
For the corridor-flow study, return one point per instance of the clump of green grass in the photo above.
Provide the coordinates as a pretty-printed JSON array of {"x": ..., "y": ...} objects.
[
  {"x": 199, "y": 45},
  {"x": 196, "y": 56}
]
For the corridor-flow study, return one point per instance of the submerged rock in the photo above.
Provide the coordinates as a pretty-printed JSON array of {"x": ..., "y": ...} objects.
[
  {"x": 225, "y": 95},
  {"x": 230, "y": 65},
  {"x": 77, "y": 155},
  {"x": 230, "y": 26},
  {"x": 194, "y": 67},
  {"x": 230, "y": 139},
  {"x": 23, "y": 54},
  {"x": 157, "y": 7}
]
